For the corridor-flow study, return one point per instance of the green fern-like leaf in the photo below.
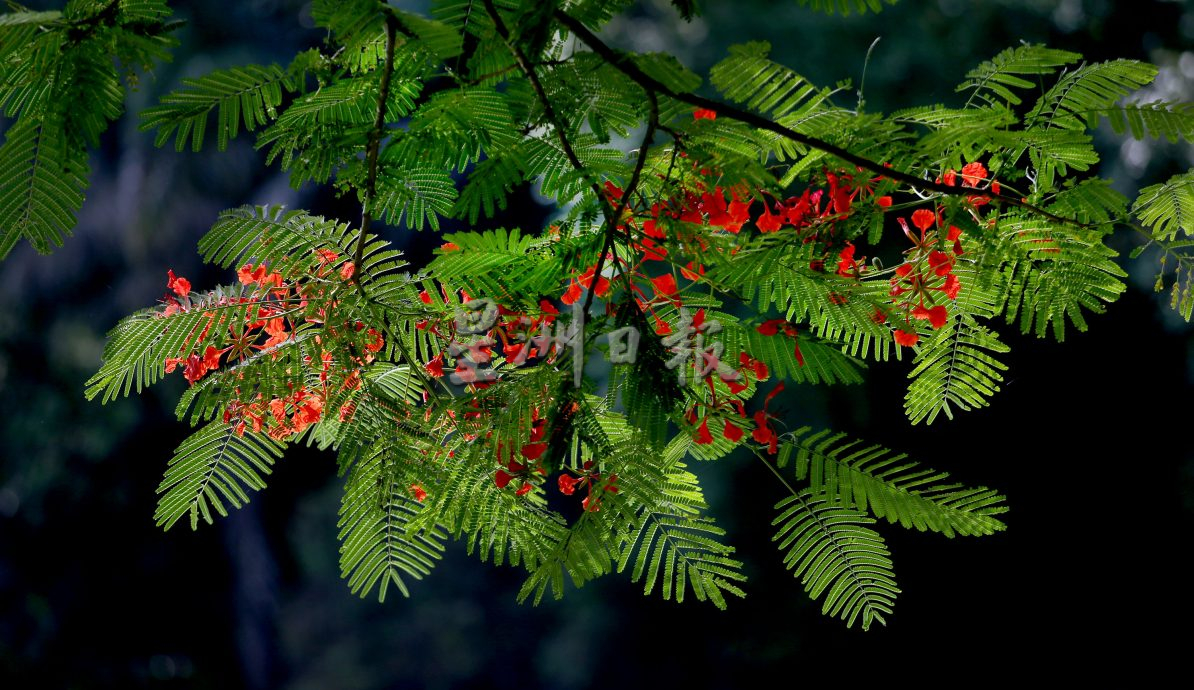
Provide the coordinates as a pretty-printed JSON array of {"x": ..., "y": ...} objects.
[
  {"x": 1080, "y": 97},
  {"x": 1167, "y": 209},
  {"x": 1056, "y": 275},
  {"x": 830, "y": 549},
  {"x": 213, "y": 467},
  {"x": 42, "y": 180},
  {"x": 872, "y": 478},
  {"x": 378, "y": 545},
  {"x": 956, "y": 367},
  {"x": 747, "y": 76},
  {"x": 992, "y": 81},
  {"x": 417, "y": 193},
  {"x": 248, "y": 96},
  {"x": 1174, "y": 121},
  {"x": 675, "y": 549}
]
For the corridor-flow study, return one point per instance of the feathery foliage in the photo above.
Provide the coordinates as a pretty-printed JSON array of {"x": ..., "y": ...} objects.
[{"x": 712, "y": 249}]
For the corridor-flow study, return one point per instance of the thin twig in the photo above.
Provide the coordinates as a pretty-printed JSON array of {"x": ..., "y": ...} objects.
[
  {"x": 373, "y": 146},
  {"x": 611, "y": 224}
]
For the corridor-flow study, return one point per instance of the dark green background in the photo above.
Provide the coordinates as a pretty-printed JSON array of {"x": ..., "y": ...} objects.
[{"x": 1089, "y": 439}]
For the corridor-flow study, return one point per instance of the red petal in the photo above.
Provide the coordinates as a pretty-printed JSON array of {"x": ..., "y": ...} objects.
[
  {"x": 906, "y": 338},
  {"x": 732, "y": 433},
  {"x": 703, "y": 435},
  {"x": 665, "y": 285},
  {"x": 572, "y": 293},
  {"x": 523, "y": 490},
  {"x": 884, "y": 201},
  {"x": 923, "y": 218},
  {"x": 502, "y": 478},
  {"x": 973, "y": 173},
  {"x": 770, "y": 327},
  {"x": 532, "y": 451},
  {"x": 704, "y": 114}
]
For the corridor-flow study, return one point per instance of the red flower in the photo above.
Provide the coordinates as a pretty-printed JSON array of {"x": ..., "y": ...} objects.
[
  {"x": 419, "y": 492},
  {"x": 951, "y": 178},
  {"x": 524, "y": 489},
  {"x": 845, "y": 262},
  {"x": 940, "y": 262},
  {"x": 951, "y": 287},
  {"x": 769, "y": 222},
  {"x": 449, "y": 247},
  {"x": 703, "y": 436},
  {"x": 906, "y": 338},
  {"x": 572, "y": 293},
  {"x": 732, "y": 432},
  {"x": 194, "y": 369},
  {"x": 973, "y": 173},
  {"x": 665, "y": 285},
  {"x": 425, "y": 297},
  {"x": 436, "y": 366},
  {"x": 502, "y": 478},
  {"x": 770, "y": 327},
  {"x": 884, "y": 201},
  {"x": 326, "y": 256},
  {"x": 923, "y": 218},
  {"x": 180, "y": 286},
  {"x": 347, "y": 269},
  {"x": 568, "y": 484},
  {"x": 937, "y": 316},
  {"x": 704, "y": 114},
  {"x": 532, "y": 451}
]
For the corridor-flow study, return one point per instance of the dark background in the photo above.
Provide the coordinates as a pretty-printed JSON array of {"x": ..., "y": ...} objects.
[{"x": 1089, "y": 439}]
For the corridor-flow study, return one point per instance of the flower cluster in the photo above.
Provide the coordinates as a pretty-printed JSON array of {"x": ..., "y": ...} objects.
[{"x": 273, "y": 310}]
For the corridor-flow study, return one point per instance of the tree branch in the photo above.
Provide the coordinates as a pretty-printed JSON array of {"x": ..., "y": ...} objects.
[
  {"x": 373, "y": 146},
  {"x": 627, "y": 66}
]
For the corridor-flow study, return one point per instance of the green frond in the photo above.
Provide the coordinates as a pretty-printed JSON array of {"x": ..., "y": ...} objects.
[
  {"x": 29, "y": 72},
  {"x": 136, "y": 349},
  {"x": 248, "y": 95},
  {"x": 582, "y": 554},
  {"x": 213, "y": 467},
  {"x": 506, "y": 266},
  {"x": 1055, "y": 274},
  {"x": 358, "y": 26},
  {"x": 378, "y": 545},
  {"x": 827, "y": 546},
  {"x": 1174, "y": 121},
  {"x": 42, "y": 179},
  {"x": 93, "y": 88},
  {"x": 671, "y": 546},
  {"x": 270, "y": 234},
  {"x": 1167, "y": 209},
  {"x": 872, "y": 478},
  {"x": 845, "y": 7},
  {"x": 992, "y": 81},
  {"x": 546, "y": 160},
  {"x": 441, "y": 40},
  {"x": 817, "y": 361},
  {"x": 746, "y": 76},
  {"x": 958, "y": 136},
  {"x": 1092, "y": 201},
  {"x": 1080, "y": 97},
  {"x": 489, "y": 185},
  {"x": 594, "y": 95},
  {"x": 836, "y": 309},
  {"x": 415, "y": 192},
  {"x": 457, "y": 127},
  {"x": 1054, "y": 152},
  {"x": 955, "y": 366}
]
